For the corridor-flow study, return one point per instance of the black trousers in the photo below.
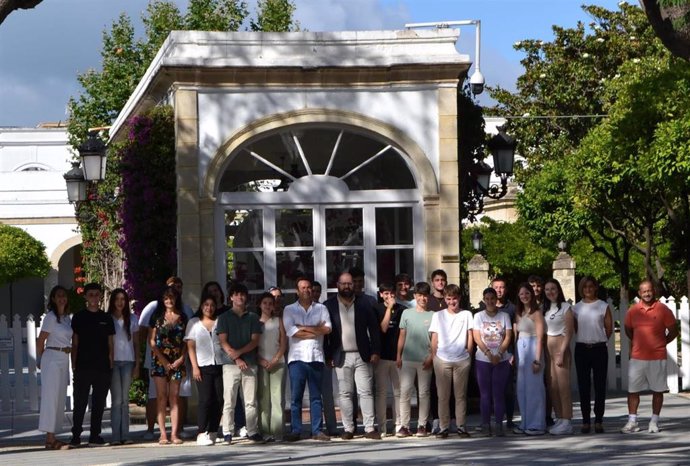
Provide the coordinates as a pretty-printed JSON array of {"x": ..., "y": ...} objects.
[
  {"x": 591, "y": 361},
  {"x": 84, "y": 381},
  {"x": 210, "y": 398}
]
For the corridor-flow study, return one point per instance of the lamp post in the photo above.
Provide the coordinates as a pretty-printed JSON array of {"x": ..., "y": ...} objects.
[
  {"x": 76, "y": 184},
  {"x": 477, "y": 238},
  {"x": 92, "y": 154},
  {"x": 91, "y": 169}
]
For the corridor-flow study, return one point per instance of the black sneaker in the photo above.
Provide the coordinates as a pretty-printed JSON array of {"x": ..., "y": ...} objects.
[
  {"x": 256, "y": 438},
  {"x": 292, "y": 437},
  {"x": 96, "y": 441},
  {"x": 75, "y": 441}
]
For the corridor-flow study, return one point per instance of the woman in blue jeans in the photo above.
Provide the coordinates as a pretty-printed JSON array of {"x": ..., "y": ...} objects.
[
  {"x": 126, "y": 366},
  {"x": 531, "y": 394}
]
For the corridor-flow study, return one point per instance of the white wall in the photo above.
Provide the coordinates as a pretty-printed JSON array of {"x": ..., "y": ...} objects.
[{"x": 412, "y": 110}]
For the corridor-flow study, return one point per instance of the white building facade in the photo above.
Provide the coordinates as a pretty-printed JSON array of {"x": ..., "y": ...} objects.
[
  {"x": 309, "y": 153},
  {"x": 33, "y": 197}
]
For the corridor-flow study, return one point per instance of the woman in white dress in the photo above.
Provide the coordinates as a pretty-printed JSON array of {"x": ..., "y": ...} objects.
[{"x": 53, "y": 348}]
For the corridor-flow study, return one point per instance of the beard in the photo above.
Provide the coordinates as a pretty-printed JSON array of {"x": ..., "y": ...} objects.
[{"x": 346, "y": 293}]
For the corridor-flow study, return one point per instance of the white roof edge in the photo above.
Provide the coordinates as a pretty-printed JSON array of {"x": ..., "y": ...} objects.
[{"x": 297, "y": 49}]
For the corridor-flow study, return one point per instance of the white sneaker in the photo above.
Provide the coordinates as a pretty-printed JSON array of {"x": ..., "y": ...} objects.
[
  {"x": 213, "y": 436},
  {"x": 243, "y": 432},
  {"x": 562, "y": 427},
  {"x": 653, "y": 427},
  {"x": 203, "y": 440},
  {"x": 630, "y": 427}
]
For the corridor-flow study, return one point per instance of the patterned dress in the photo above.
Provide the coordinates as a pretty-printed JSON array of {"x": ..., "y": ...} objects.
[{"x": 170, "y": 342}]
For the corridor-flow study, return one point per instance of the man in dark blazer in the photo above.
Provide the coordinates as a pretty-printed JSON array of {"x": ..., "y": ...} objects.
[{"x": 352, "y": 347}]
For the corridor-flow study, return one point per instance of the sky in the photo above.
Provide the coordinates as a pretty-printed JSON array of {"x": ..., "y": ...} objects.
[{"x": 43, "y": 49}]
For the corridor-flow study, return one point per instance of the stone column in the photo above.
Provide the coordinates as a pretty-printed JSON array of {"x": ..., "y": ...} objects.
[
  {"x": 564, "y": 272},
  {"x": 478, "y": 271}
]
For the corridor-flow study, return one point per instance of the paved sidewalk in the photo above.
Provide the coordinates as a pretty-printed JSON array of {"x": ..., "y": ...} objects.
[{"x": 21, "y": 444}]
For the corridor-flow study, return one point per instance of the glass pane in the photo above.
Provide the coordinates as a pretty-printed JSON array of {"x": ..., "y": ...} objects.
[
  {"x": 344, "y": 227},
  {"x": 394, "y": 225},
  {"x": 390, "y": 262},
  {"x": 244, "y": 229},
  {"x": 247, "y": 268},
  {"x": 292, "y": 265},
  {"x": 397, "y": 173},
  {"x": 341, "y": 260},
  {"x": 294, "y": 228}
]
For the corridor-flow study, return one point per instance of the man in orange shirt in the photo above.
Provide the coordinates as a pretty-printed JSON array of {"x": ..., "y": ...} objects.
[{"x": 650, "y": 326}]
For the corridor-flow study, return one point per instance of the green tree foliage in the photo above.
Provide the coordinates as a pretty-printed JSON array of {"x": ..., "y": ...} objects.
[
  {"x": 510, "y": 250},
  {"x": 643, "y": 150},
  {"x": 560, "y": 97},
  {"x": 274, "y": 16},
  {"x": 21, "y": 255}
]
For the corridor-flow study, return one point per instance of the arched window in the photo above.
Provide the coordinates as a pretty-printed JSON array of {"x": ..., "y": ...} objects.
[{"x": 316, "y": 200}]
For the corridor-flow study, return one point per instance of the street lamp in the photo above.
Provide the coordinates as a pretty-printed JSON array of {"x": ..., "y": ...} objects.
[
  {"x": 477, "y": 238},
  {"x": 562, "y": 245},
  {"x": 92, "y": 153},
  {"x": 76, "y": 184},
  {"x": 476, "y": 176}
]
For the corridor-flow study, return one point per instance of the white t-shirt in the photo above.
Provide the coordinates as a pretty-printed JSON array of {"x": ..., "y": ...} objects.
[
  {"x": 590, "y": 321},
  {"x": 207, "y": 343},
  {"x": 451, "y": 329},
  {"x": 59, "y": 333},
  {"x": 123, "y": 348},
  {"x": 555, "y": 319},
  {"x": 492, "y": 331}
]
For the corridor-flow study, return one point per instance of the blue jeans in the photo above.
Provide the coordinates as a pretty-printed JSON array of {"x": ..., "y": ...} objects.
[
  {"x": 119, "y": 389},
  {"x": 531, "y": 393},
  {"x": 301, "y": 374}
]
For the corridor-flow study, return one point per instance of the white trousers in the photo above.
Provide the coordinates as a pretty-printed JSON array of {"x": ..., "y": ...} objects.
[{"x": 54, "y": 379}]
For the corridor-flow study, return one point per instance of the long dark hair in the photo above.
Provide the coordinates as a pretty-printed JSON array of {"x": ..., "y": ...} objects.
[
  {"x": 560, "y": 299},
  {"x": 520, "y": 307},
  {"x": 205, "y": 292},
  {"x": 52, "y": 306},
  {"x": 126, "y": 312},
  {"x": 170, "y": 292}
]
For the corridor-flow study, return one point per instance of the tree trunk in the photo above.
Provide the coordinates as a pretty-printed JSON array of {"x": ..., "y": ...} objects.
[
  {"x": 8, "y": 6},
  {"x": 676, "y": 39}
]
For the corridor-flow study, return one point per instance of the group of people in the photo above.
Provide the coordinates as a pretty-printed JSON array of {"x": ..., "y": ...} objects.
[{"x": 409, "y": 338}]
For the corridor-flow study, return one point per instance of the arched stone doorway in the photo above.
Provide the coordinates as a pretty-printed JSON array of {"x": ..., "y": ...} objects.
[{"x": 316, "y": 198}]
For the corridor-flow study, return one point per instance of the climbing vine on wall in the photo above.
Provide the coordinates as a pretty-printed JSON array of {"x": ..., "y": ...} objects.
[{"x": 128, "y": 225}]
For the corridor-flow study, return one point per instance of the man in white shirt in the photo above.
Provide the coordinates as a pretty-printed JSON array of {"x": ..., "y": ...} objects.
[{"x": 306, "y": 323}]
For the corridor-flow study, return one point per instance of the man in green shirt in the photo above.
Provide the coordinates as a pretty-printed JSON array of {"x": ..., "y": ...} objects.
[{"x": 238, "y": 332}]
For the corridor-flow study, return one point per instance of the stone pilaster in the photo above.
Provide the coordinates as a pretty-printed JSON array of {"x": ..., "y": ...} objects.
[
  {"x": 478, "y": 272},
  {"x": 448, "y": 251},
  {"x": 188, "y": 208},
  {"x": 564, "y": 272}
]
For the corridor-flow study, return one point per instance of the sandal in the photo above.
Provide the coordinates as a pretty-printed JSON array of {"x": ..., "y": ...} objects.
[
  {"x": 164, "y": 441},
  {"x": 57, "y": 445},
  {"x": 177, "y": 441}
]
